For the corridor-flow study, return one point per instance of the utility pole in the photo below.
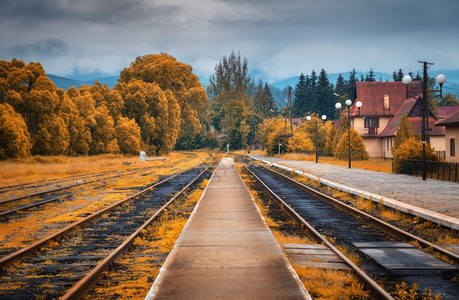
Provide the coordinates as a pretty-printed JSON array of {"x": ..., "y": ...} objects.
[
  {"x": 425, "y": 117},
  {"x": 290, "y": 108}
]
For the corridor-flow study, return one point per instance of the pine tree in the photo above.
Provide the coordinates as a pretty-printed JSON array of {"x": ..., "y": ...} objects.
[
  {"x": 325, "y": 104},
  {"x": 300, "y": 97},
  {"x": 350, "y": 89}
]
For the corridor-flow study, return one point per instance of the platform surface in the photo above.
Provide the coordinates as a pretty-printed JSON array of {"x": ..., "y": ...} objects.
[{"x": 226, "y": 250}]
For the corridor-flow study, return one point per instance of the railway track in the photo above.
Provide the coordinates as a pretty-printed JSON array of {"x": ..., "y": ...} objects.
[
  {"x": 20, "y": 204},
  {"x": 75, "y": 256},
  {"x": 322, "y": 216}
]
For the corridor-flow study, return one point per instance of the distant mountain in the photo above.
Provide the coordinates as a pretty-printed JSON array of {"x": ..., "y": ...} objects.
[{"x": 65, "y": 83}]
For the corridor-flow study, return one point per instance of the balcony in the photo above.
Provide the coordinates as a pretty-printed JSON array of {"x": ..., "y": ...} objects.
[{"x": 370, "y": 131}]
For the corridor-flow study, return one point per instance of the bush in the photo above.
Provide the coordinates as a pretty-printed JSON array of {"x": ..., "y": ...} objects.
[{"x": 411, "y": 149}]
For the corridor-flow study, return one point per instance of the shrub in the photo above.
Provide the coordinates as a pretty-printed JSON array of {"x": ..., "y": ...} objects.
[
  {"x": 358, "y": 151},
  {"x": 411, "y": 149}
]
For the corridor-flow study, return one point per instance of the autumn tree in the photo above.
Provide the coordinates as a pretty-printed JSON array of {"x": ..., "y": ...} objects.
[
  {"x": 156, "y": 112},
  {"x": 404, "y": 132},
  {"x": 358, "y": 151},
  {"x": 188, "y": 95},
  {"x": 232, "y": 87},
  {"x": 14, "y": 137},
  {"x": 271, "y": 133},
  {"x": 448, "y": 100},
  {"x": 411, "y": 149},
  {"x": 128, "y": 136},
  {"x": 300, "y": 141}
]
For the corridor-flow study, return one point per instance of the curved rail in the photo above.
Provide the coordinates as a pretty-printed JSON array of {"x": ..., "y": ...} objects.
[
  {"x": 378, "y": 223},
  {"x": 377, "y": 290}
]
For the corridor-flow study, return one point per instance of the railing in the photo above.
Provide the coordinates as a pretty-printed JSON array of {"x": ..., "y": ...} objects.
[
  {"x": 366, "y": 131},
  {"x": 440, "y": 170}
]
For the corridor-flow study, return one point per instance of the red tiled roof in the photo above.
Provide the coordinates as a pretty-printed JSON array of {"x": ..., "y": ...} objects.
[
  {"x": 444, "y": 111},
  {"x": 392, "y": 126},
  {"x": 416, "y": 125},
  {"x": 373, "y": 95},
  {"x": 407, "y": 108},
  {"x": 452, "y": 119}
]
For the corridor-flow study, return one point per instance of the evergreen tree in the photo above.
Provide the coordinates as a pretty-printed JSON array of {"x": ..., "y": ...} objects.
[
  {"x": 350, "y": 88},
  {"x": 300, "y": 94},
  {"x": 370, "y": 76},
  {"x": 325, "y": 104}
]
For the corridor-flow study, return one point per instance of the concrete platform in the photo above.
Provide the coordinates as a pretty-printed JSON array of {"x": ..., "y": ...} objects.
[
  {"x": 403, "y": 258},
  {"x": 226, "y": 250}
]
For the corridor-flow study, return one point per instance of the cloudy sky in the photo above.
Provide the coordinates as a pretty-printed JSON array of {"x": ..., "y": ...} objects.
[{"x": 279, "y": 38}]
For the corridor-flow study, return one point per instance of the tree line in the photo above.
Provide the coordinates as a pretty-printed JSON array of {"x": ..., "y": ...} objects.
[
  {"x": 156, "y": 102},
  {"x": 315, "y": 93}
]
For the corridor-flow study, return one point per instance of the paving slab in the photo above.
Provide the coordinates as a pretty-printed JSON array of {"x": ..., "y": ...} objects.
[
  {"x": 403, "y": 258},
  {"x": 226, "y": 250},
  {"x": 313, "y": 255}
]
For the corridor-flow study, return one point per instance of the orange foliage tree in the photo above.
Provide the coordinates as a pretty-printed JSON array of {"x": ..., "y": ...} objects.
[
  {"x": 186, "y": 91},
  {"x": 14, "y": 137}
]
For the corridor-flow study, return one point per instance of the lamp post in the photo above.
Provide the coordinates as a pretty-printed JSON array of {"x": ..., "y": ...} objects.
[
  {"x": 425, "y": 110},
  {"x": 348, "y": 104},
  {"x": 338, "y": 107},
  {"x": 279, "y": 148},
  {"x": 324, "y": 117}
]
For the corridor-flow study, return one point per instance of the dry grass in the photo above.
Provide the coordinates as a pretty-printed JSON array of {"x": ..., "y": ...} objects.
[
  {"x": 38, "y": 168},
  {"x": 331, "y": 284}
]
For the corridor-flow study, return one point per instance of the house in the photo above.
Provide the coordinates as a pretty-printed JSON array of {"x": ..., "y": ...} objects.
[
  {"x": 451, "y": 124},
  {"x": 444, "y": 111},
  {"x": 412, "y": 108},
  {"x": 383, "y": 105}
]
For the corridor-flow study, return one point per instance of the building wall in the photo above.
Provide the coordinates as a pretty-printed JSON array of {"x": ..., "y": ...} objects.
[
  {"x": 388, "y": 144},
  {"x": 438, "y": 143},
  {"x": 452, "y": 132},
  {"x": 373, "y": 145}
]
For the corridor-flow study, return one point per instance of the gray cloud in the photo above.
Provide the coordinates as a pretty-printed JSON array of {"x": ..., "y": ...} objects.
[
  {"x": 41, "y": 48},
  {"x": 280, "y": 38}
]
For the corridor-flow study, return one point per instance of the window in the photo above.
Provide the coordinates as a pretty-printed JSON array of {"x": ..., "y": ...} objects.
[
  {"x": 388, "y": 144},
  {"x": 371, "y": 122},
  {"x": 452, "y": 147}
]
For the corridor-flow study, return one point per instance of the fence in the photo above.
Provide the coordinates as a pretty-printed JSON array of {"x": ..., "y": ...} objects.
[{"x": 440, "y": 170}]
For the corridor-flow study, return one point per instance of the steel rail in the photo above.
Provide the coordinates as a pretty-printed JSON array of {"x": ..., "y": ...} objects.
[
  {"x": 376, "y": 222},
  {"x": 12, "y": 211},
  {"x": 374, "y": 287},
  {"x": 83, "y": 286},
  {"x": 10, "y": 258},
  {"x": 69, "y": 186}
]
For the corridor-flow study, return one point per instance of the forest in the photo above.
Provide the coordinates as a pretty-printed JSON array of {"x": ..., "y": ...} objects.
[{"x": 158, "y": 105}]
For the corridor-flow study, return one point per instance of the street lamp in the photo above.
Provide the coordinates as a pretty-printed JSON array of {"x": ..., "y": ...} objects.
[
  {"x": 348, "y": 104},
  {"x": 407, "y": 81},
  {"x": 338, "y": 107},
  {"x": 324, "y": 117},
  {"x": 441, "y": 79}
]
